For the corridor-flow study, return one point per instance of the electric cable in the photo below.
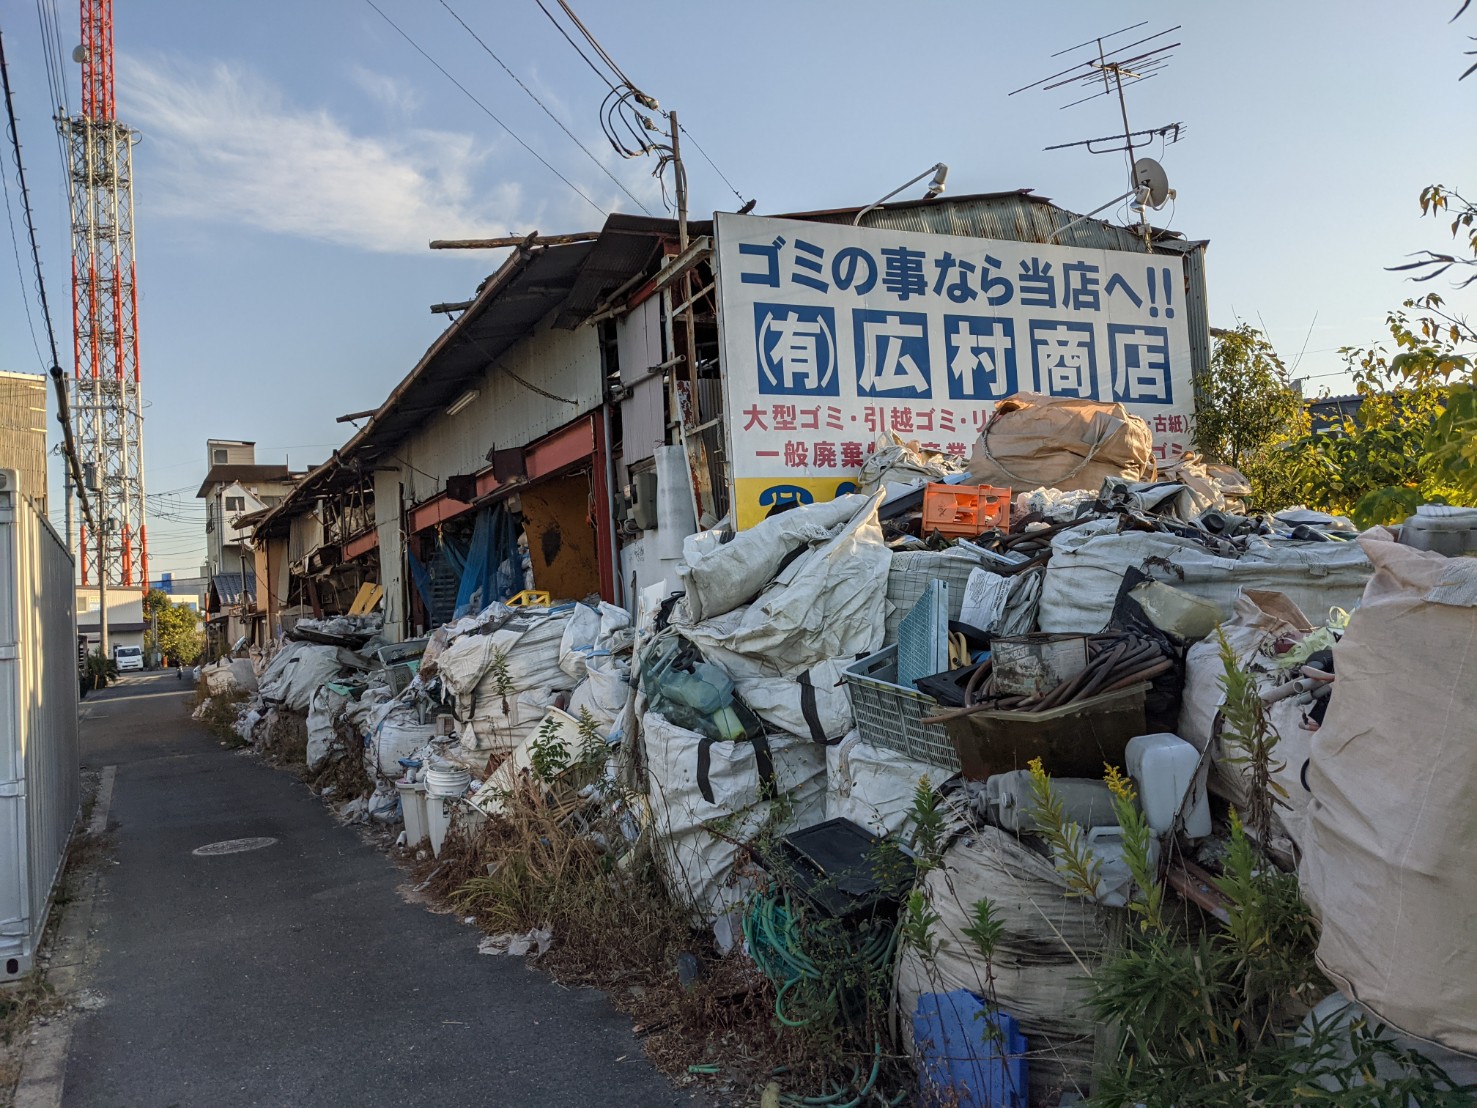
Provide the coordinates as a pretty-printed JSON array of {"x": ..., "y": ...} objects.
[
  {"x": 532, "y": 96},
  {"x": 20, "y": 172},
  {"x": 560, "y": 28},
  {"x": 20, "y": 272},
  {"x": 600, "y": 50},
  {"x": 712, "y": 163},
  {"x": 486, "y": 110}
]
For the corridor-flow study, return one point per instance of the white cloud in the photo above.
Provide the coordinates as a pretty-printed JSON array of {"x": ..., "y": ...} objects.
[
  {"x": 390, "y": 92},
  {"x": 229, "y": 146}
]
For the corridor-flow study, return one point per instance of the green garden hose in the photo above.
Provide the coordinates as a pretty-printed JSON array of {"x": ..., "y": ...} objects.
[{"x": 772, "y": 931}]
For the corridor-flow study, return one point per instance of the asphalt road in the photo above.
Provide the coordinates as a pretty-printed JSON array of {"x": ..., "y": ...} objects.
[{"x": 297, "y": 974}]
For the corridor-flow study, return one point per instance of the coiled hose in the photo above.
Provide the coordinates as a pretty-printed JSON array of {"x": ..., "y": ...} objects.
[{"x": 773, "y": 933}]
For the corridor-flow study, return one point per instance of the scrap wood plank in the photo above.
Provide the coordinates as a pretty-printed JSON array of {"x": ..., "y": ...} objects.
[{"x": 366, "y": 599}]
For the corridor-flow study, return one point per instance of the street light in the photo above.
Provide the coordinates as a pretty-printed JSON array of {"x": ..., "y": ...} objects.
[{"x": 940, "y": 174}]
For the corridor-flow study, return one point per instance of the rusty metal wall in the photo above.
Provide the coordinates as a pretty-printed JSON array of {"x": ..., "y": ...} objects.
[{"x": 40, "y": 792}]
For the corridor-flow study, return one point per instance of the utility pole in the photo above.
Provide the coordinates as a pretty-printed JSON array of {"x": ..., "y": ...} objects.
[
  {"x": 689, "y": 328},
  {"x": 103, "y": 526}
]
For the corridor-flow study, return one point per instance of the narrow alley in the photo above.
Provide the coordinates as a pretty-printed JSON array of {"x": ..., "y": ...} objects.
[{"x": 298, "y": 973}]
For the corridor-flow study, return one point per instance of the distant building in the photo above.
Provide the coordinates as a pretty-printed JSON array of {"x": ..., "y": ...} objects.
[
  {"x": 236, "y": 491},
  {"x": 1327, "y": 414},
  {"x": 23, "y": 431},
  {"x": 188, "y": 591},
  {"x": 125, "y": 616}
]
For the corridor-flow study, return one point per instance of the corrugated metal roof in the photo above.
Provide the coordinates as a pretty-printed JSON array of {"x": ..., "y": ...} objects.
[
  {"x": 226, "y": 589},
  {"x": 528, "y": 285},
  {"x": 226, "y": 473},
  {"x": 1019, "y": 216}
]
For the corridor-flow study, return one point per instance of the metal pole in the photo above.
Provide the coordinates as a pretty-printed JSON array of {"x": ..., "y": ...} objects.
[
  {"x": 102, "y": 584},
  {"x": 689, "y": 329},
  {"x": 67, "y": 489}
]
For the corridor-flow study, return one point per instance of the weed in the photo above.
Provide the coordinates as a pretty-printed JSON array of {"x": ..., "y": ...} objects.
[
  {"x": 23, "y": 1001},
  {"x": 1252, "y": 738},
  {"x": 221, "y": 712},
  {"x": 1068, "y": 842},
  {"x": 1209, "y": 1016}
]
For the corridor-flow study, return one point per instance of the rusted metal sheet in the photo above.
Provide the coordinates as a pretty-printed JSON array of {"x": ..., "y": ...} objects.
[{"x": 361, "y": 544}]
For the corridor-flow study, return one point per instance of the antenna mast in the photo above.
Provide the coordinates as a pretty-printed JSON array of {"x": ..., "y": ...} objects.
[
  {"x": 105, "y": 384},
  {"x": 1113, "y": 69}
]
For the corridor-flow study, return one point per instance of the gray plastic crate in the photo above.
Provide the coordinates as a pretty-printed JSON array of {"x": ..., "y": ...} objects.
[{"x": 891, "y": 715}]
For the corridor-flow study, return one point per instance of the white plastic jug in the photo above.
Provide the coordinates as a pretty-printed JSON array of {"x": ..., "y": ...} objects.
[
  {"x": 1169, "y": 772},
  {"x": 1013, "y": 801}
]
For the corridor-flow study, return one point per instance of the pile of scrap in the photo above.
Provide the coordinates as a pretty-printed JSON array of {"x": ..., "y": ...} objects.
[{"x": 947, "y": 664}]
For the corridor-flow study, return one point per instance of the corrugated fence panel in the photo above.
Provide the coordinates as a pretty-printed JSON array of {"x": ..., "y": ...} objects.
[{"x": 39, "y": 753}]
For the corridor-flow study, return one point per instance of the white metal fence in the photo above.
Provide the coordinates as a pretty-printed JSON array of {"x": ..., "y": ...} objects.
[{"x": 39, "y": 753}]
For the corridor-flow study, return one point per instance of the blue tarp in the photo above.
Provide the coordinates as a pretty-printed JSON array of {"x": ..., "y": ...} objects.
[{"x": 489, "y": 572}]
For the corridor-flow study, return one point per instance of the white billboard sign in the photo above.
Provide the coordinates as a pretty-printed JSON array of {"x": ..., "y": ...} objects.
[{"x": 833, "y": 335}]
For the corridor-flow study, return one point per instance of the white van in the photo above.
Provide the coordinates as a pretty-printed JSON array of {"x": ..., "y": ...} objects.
[{"x": 129, "y": 657}]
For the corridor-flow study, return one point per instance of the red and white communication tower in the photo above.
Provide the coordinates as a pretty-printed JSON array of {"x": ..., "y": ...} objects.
[{"x": 106, "y": 399}]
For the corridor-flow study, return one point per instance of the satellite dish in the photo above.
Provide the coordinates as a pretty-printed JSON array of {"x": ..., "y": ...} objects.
[
  {"x": 79, "y": 54},
  {"x": 1149, "y": 176}
]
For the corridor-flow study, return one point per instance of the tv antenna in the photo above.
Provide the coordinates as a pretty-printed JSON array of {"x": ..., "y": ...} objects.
[{"x": 1105, "y": 72}]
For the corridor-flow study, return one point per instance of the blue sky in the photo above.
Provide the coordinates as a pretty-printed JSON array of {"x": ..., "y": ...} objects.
[{"x": 296, "y": 158}]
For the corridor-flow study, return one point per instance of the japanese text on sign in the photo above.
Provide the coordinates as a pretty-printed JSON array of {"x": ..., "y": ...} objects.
[{"x": 834, "y": 334}]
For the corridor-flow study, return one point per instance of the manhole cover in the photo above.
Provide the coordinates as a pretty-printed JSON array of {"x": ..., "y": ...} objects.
[{"x": 232, "y": 846}]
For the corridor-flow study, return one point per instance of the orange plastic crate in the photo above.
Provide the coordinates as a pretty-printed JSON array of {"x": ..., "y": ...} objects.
[{"x": 964, "y": 511}]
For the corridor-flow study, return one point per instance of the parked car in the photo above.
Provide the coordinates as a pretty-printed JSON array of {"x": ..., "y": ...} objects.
[{"x": 129, "y": 657}]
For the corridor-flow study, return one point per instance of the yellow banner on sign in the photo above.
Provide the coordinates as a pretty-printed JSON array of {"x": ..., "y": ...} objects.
[{"x": 755, "y": 497}]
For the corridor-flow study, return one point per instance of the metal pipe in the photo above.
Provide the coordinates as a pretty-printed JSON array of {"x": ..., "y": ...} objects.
[{"x": 938, "y": 169}]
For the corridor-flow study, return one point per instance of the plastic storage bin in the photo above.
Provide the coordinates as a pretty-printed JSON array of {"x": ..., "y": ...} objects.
[
  {"x": 891, "y": 715},
  {"x": 1075, "y": 740},
  {"x": 413, "y": 811},
  {"x": 964, "y": 511},
  {"x": 968, "y": 1055}
]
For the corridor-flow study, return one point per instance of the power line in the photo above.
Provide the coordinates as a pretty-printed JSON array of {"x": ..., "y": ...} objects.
[
  {"x": 560, "y": 28},
  {"x": 20, "y": 272},
  {"x": 20, "y": 172},
  {"x": 604, "y": 56},
  {"x": 712, "y": 163},
  {"x": 486, "y": 110},
  {"x": 603, "y": 169},
  {"x": 619, "y": 93}
]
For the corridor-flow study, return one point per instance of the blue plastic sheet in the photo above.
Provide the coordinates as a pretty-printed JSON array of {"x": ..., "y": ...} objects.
[{"x": 486, "y": 576}]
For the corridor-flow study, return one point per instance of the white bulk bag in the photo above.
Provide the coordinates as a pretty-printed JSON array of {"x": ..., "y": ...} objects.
[
  {"x": 828, "y": 602},
  {"x": 874, "y": 787},
  {"x": 1387, "y": 858},
  {"x": 814, "y": 705},
  {"x": 1259, "y": 619},
  {"x": 707, "y": 797},
  {"x": 296, "y": 672},
  {"x": 322, "y": 711},
  {"x": 1049, "y": 944},
  {"x": 1088, "y": 564},
  {"x": 720, "y": 577},
  {"x": 603, "y": 692}
]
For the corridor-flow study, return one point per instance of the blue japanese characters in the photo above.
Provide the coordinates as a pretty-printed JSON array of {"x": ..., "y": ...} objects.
[{"x": 1079, "y": 347}]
